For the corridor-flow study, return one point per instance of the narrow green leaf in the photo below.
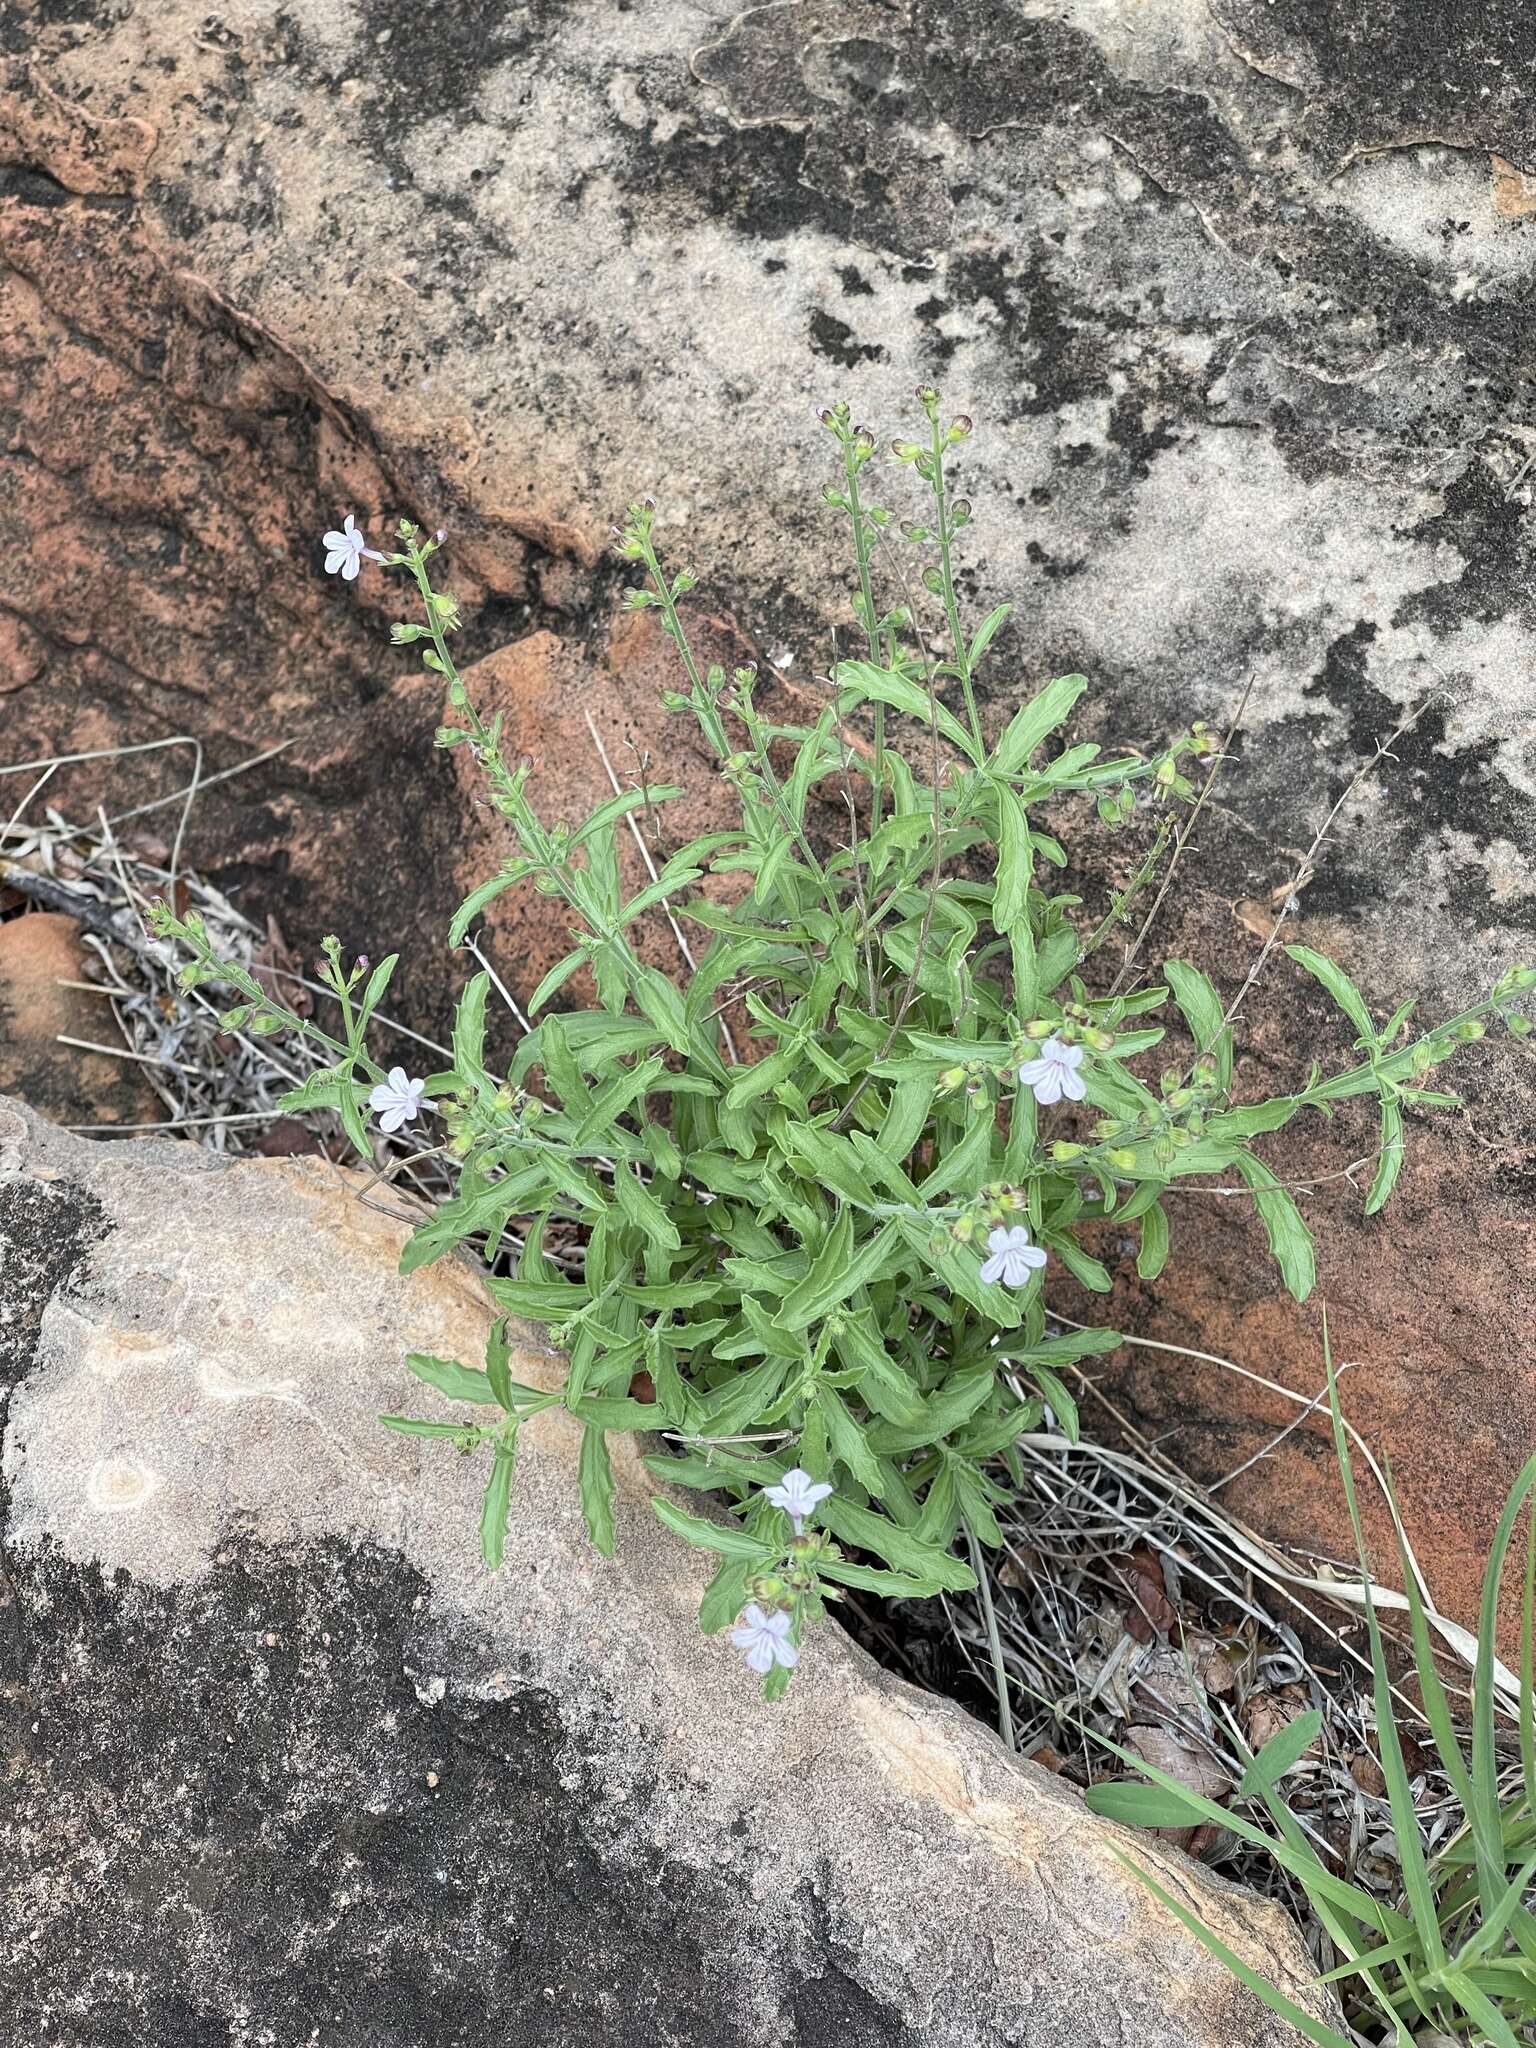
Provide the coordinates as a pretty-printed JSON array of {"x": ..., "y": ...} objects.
[
  {"x": 1034, "y": 722},
  {"x": 869, "y": 1531},
  {"x": 643, "y": 1210},
  {"x": 595, "y": 1477},
  {"x": 1153, "y": 1253},
  {"x": 498, "y": 1363},
  {"x": 496, "y": 1503},
  {"x": 847, "y": 1440},
  {"x": 1340, "y": 987},
  {"x": 1390, "y": 1164},
  {"x": 557, "y": 976},
  {"x": 725, "y": 1595},
  {"x": 839, "y": 1269},
  {"x": 725, "y": 1537},
  {"x": 983, "y": 637},
  {"x": 1015, "y": 862},
  {"x": 614, "y": 808},
  {"x": 1139, "y": 1805},
  {"x": 857, "y": 680},
  {"x": 411, "y": 1425},
  {"x": 1289, "y": 1238},
  {"x": 481, "y": 898},
  {"x": 1195, "y": 994},
  {"x": 458, "y": 1382},
  {"x": 1061, "y": 1401},
  {"x": 1281, "y": 1751}
]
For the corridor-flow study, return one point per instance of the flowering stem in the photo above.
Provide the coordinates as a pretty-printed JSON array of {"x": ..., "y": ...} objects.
[
  {"x": 959, "y": 655},
  {"x": 862, "y": 546}
]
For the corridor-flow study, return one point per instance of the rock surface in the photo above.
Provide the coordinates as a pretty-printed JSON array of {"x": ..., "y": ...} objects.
[
  {"x": 288, "y": 1764},
  {"x": 1239, "y": 294},
  {"x": 40, "y": 955}
]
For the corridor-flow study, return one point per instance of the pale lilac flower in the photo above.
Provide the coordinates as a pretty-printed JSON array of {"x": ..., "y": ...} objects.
[
  {"x": 397, "y": 1100},
  {"x": 765, "y": 1638},
  {"x": 1013, "y": 1258},
  {"x": 798, "y": 1494},
  {"x": 345, "y": 550},
  {"x": 1054, "y": 1073}
]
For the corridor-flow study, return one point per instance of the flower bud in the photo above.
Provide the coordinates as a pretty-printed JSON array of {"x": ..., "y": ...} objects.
[
  {"x": 1122, "y": 1157},
  {"x": 960, "y": 429}
]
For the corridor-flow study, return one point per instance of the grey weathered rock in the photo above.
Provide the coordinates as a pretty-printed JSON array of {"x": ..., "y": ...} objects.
[
  {"x": 1236, "y": 292},
  {"x": 287, "y": 1764},
  {"x": 1240, "y": 295}
]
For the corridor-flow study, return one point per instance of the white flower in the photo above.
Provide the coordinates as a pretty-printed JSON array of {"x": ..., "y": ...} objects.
[
  {"x": 798, "y": 1494},
  {"x": 345, "y": 550},
  {"x": 1013, "y": 1258},
  {"x": 765, "y": 1638},
  {"x": 1054, "y": 1073},
  {"x": 397, "y": 1100}
]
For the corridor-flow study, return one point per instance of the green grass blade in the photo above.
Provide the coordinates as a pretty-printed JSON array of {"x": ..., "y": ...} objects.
[
  {"x": 1484, "y": 1811},
  {"x": 1498, "y": 1921},
  {"x": 1405, "y": 1819},
  {"x": 1496, "y": 2030},
  {"x": 1350, "y": 1933}
]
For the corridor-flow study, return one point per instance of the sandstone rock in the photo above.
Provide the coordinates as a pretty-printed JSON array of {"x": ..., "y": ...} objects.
[
  {"x": 39, "y": 954},
  {"x": 1240, "y": 297},
  {"x": 286, "y": 1760}
]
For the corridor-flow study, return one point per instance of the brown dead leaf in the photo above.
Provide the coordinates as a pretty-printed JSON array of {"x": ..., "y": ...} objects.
[
  {"x": 1268, "y": 1712},
  {"x": 1047, "y": 1758},
  {"x": 1181, "y": 1757},
  {"x": 1151, "y": 1613},
  {"x": 1019, "y": 1569},
  {"x": 1368, "y": 1775},
  {"x": 1167, "y": 1688}
]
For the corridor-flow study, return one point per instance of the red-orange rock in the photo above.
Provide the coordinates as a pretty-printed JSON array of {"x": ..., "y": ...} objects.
[{"x": 39, "y": 954}]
